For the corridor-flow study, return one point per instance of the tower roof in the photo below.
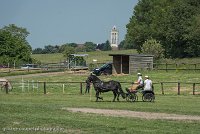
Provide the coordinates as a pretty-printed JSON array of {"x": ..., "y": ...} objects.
[{"x": 114, "y": 28}]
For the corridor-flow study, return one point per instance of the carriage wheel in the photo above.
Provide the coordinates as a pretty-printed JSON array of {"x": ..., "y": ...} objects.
[
  {"x": 131, "y": 97},
  {"x": 148, "y": 97}
]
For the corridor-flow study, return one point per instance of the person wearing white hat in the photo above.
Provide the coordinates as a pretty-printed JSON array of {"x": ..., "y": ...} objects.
[
  {"x": 147, "y": 84},
  {"x": 140, "y": 81},
  {"x": 137, "y": 84}
]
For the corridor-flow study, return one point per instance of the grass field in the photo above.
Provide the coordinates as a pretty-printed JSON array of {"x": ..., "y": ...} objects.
[
  {"x": 31, "y": 111},
  {"x": 46, "y": 111},
  {"x": 103, "y": 57},
  {"x": 100, "y": 56},
  {"x": 28, "y": 110}
]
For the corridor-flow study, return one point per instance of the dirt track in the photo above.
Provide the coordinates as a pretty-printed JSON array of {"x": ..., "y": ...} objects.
[{"x": 128, "y": 113}]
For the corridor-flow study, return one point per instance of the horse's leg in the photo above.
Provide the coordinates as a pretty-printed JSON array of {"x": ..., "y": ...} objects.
[
  {"x": 2, "y": 87},
  {"x": 115, "y": 94},
  {"x": 97, "y": 95},
  {"x": 101, "y": 98}
]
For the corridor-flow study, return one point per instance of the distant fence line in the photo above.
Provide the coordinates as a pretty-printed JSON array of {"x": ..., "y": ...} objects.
[
  {"x": 60, "y": 66},
  {"x": 81, "y": 85},
  {"x": 176, "y": 66}
]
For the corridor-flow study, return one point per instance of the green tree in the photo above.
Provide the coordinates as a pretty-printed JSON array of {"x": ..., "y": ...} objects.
[
  {"x": 193, "y": 38},
  {"x": 68, "y": 50},
  {"x": 106, "y": 46},
  {"x": 51, "y": 49},
  {"x": 151, "y": 46},
  {"x": 90, "y": 46},
  {"x": 179, "y": 19},
  {"x": 168, "y": 21},
  {"x": 14, "y": 47},
  {"x": 19, "y": 32},
  {"x": 121, "y": 44},
  {"x": 73, "y": 45},
  {"x": 37, "y": 51}
]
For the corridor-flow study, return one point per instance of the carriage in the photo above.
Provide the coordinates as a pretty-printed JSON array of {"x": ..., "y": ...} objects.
[
  {"x": 115, "y": 87},
  {"x": 147, "y": 95}
]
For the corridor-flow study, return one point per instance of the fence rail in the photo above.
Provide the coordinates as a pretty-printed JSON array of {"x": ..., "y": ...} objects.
[
  {"x": 176, "y": 66},
  {"x": 162, "y": 84}
]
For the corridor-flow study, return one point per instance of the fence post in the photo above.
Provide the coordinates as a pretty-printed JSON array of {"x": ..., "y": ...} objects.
[
  {"x": 178, "y": 88},
  {"x": 45, "y": 91},
  {"x": 162, "y": 88},
  {"x": 63, "y": 88},
  {"x": 166, "y": 67},
  {"x": 193, "y": 89},
  {"x": 81, "y": 88},
  {"x": 6, "y": 87}
]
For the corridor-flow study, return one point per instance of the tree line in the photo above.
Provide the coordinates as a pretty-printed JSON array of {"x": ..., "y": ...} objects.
[
  {"x": 175, "y": 24},
  {"x": 86, "y": 47},
  {"x": 15, "y": 49},
  {"x": 165, "y": 28}
]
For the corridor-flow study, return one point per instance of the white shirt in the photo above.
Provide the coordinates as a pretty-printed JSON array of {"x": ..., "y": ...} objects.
[
  {"x": 140, "y": 81},
  {"x": 147, "y": 84}
]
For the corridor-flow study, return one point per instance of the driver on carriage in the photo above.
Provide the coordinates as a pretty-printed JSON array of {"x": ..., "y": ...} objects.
[
  {"x": 148, "y": 86},
  {"x": 137, "y": 84}
]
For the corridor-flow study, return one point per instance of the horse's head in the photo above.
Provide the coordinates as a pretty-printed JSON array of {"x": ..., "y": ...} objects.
[{"x": 92, "y": 78}]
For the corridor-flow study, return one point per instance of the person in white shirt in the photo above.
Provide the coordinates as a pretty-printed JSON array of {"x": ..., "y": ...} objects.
[
  {"x": 139, "y": 81},
  {"x": 137, "y": 84},
  {"x": 147, "y": 84}
]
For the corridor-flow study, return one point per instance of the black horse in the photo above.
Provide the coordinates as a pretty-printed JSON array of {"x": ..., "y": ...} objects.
[{"x": 101, "y": 86}]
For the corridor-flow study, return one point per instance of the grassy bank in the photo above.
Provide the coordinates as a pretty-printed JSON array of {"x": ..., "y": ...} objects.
[
  {"x": 103, "y": 56},
  {"x": 100, "y": 56}
]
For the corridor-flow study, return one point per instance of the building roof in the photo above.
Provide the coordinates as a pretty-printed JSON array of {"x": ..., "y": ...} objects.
[
  {"x": 79, "y": 55},
  {"x": 136, "y": 55}
]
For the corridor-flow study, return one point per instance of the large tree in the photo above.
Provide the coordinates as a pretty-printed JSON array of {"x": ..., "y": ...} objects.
[
  {"x": 104, "y": 46},
  {"x": 107, "y": 46},
  {"x": 90, "y": 46},
  {"x": 169, "y": 21},
  {"x": 13, "y": 45}
]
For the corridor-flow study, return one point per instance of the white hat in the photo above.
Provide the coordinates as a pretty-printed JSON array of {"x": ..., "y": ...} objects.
[
  {"x": 146, "y": 76},
  {"x": 139, "y": 74}
]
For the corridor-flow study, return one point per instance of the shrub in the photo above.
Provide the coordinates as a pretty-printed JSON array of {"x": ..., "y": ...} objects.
[{"x": 153, "y": 47}]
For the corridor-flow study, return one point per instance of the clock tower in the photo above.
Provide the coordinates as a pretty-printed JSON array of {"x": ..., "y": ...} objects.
[{"x": 114, "y": 37}]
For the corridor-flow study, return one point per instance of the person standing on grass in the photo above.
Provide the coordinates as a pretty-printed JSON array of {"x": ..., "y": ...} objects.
[
  {"x": 87, "y": 88},
  {"x": 148, "y": 84}
]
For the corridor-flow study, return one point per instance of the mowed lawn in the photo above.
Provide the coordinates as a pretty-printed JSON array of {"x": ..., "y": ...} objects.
[
  {"x": 46, "y": 111},
  {"x": 30, "y": 111}
]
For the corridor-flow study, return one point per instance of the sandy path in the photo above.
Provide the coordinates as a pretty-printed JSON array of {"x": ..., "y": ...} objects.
[{"x": 128, "y": 113}]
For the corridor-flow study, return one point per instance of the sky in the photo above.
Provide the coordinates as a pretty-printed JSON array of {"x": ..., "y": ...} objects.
[{"x": 56, "y": 22}]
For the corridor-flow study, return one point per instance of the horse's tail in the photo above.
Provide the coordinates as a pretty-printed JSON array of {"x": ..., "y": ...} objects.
[{"x": 121, "y": 91}]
